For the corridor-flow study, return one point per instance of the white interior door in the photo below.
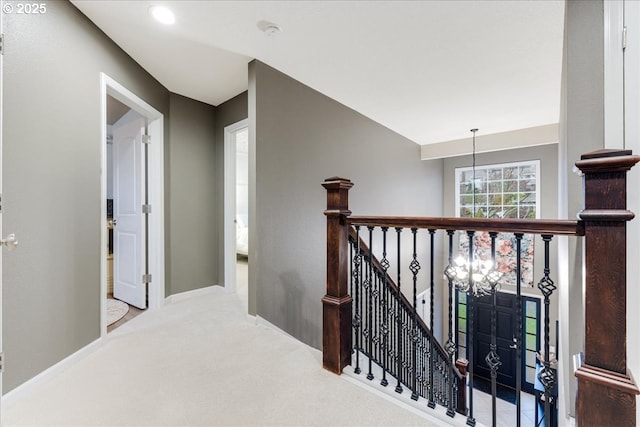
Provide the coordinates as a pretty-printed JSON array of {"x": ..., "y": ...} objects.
[{"x": 128, "y": 196}]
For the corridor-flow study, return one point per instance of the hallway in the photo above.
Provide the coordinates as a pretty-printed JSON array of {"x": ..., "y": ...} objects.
[{"x": 198, "y": 361}]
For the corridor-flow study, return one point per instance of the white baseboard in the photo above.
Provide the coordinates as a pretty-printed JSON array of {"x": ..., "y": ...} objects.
[
  {"x": 14, "y": 395},
  {"x": 261, "y": 321},
  {"x": 190, "y": 294}
]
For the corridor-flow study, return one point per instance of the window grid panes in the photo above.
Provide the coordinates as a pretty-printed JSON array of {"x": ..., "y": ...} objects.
[{"x": 498, "y": 191}]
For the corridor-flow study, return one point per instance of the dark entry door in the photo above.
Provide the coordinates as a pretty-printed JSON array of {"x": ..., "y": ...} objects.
[{"x": 505, "y": 331}]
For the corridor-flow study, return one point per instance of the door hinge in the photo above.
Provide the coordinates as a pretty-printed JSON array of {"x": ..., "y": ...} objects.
[
  {"x": 146, "y": 278},
  {"x": 0, "y": 202},
  {"x": 146, "y": 139},
  {"x": 1, "y": 44},
  {"x": 146, "y": 209},
  {"x": 624, "y": 38},
  {"x": 2, "y": 362}
]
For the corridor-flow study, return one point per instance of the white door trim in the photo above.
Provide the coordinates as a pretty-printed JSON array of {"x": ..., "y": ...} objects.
[
  {"x": 155, "y": 119},
  {"x": 230, "y": 204},
  {"x": 613, "y": 74},
  {"x": 1, "y": 235}
]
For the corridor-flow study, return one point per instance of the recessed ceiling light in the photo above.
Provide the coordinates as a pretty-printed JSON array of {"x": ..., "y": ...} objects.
[{"x": 162, "y": 15}]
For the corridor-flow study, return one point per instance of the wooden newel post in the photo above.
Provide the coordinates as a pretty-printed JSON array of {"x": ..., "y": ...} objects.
[
  {"x": 336, "y": 304},
  {"x": 606, "y": 389}
]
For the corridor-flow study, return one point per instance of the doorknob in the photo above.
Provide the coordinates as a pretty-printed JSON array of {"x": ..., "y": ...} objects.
[
  {"x": 113, "y": 222},
  {"x": 10, "y": 242},
  {"x": 515, "y": 344}
]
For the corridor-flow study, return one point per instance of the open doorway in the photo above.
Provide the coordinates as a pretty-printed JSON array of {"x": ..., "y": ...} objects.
[
  {"x": 126, "y": 174},
  {"x": 132, "y": 255},
  {"x": 237, "y": 209}
]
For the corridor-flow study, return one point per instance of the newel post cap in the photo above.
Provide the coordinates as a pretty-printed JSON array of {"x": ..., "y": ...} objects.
[
  {"x": 336, "y": 183},
  {"x": 607, "y": 160}
]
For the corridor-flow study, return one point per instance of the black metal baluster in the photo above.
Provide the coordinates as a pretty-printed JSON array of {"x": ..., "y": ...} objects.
[
  {"x": 406, "y": 342},
  {"x": 393, "y": 322},
  {"x": 518, "y": 328},
  {"x": 399, "y": 317},
  {"x": 370, "y": 303},
  {"x": 414, "y": 267},
  {"x": 353, "y": 326},
  {"x": 384, "y": 263},
  {"x": 356, "y": 281},
  {"x": 470, "y": 350},
  {"x": 546, "y": 375},
  {"x": 376, "y": 315},
  {"x": 431, "y": 403},
  {"x": 420, "y": 366},
  {"x": 492, "y": 359},
  {"x": 450, "y": 346}
]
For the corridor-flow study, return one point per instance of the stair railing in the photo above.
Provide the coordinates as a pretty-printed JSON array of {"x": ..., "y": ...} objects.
[
  {"x": 355, "y": 278},
  {"x": 390, "y": 333}
]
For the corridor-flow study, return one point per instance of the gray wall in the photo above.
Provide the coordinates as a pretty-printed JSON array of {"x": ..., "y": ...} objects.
[
  {"x": 51, "y": 181},
  {"x": 301, "y": 137},
  {"x": 582, "y": 131},
  {"x": 51, "y": 184},
  {"x": 548, "y": 156},
  {"x": 192, "y": 248},
  {"x": 227, "y": 113}
]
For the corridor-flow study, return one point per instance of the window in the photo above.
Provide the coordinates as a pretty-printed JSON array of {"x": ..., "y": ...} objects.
[{"x": 507, "y": 190}]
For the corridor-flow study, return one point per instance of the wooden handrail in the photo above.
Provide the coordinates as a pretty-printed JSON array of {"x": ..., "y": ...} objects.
[{"x": 532, "y": 226}]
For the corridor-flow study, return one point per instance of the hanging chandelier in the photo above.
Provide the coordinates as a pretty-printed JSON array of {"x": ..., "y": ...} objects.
[{"x": 470, "y": 274}]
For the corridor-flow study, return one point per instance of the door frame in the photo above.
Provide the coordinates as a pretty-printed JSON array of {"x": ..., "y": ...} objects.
[
  {"x": 230, "y": 204},
  {"x": 1, "y": 235},
  {"x": 155, "y": 178}
]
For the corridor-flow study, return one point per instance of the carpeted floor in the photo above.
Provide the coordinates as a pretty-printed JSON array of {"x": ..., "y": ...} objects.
[{"x": 199, "y": 362}]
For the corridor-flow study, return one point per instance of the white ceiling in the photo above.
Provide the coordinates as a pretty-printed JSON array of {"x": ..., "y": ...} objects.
[{"x": 429, "y": 70}]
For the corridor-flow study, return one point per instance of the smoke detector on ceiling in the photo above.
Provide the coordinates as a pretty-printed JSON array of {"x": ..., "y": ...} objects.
[{"x": 269, "y": 28}]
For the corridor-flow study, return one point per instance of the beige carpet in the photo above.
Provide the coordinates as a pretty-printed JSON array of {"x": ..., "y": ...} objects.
[{"x": 199, "y": 362}]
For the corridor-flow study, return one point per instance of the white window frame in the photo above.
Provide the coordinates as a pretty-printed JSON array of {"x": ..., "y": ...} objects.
[{"x": 461, "y": 170}]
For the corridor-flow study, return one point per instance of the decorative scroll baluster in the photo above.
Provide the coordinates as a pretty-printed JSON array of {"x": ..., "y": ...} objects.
[
  {"x": 352, "y": 275},
  {"x": 432, "y": 233},
  {"x": 384, "y": 264},
  {"x": 399, "y": 317},
  {"x": 414, "y": 267},
  {"x": 546, "y": 286},
  {"x": 518, "y": 327},
  {"x": 357, "y": 318},
  {"x": 450, "y": 346},
  {"x": 369, "y": 286},
  {"x": 470, "y": 350},
  {"x": 393, "y": 343},
  {"x": 376, "y": 316},
  {"x": 492, "y": 359}
]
